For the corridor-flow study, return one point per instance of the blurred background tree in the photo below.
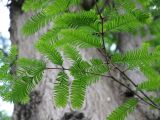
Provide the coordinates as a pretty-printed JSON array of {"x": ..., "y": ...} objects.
[
  {"x": 4, "y": 116},
  {"x": 103, "y": 97}
]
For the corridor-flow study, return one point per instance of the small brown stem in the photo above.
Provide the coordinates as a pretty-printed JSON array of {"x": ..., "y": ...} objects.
[
  {"x": 114, "y": 79},
  {"x": 108, "y": 60},
  {"x": 56, "y": 68}
]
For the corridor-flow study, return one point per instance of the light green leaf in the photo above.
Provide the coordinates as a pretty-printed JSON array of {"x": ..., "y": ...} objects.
[{"x": 61, "y": 90}]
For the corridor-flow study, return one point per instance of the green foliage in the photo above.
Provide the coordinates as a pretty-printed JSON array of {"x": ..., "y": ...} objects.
[
  {"x": 78, "y": 90},
  {"x": 155, "y": 2},
  {"x": 156, "y": 100},
  {"x": 49, "y": 37},
  {"x": 126, "y": 17},
  {"x": 29, "y": 73},
  {"x": 85, "y": 74},
  {"x": 35, "y": 23},
  {"x": 91, "y": 71},
  {"x": 72, "y": 53},
  {"x": 61, "y": 90},
  {"x": 76, "y": 19},
  {"x": 81, "y": 38},
  {"x": 6, "y": 78},
  {"x": 122, "y": 23},
  {"x": 1, "y": 54},
  {"x": 31, "y": 68},
  {"x": 50, "y": 51},
  {"x": 12, "y": 56},
  {"x": 126, "y": 22},
  {"x": 153, "y": 83},
  {"x": 141, "y": 16},
  {"x": 142, "y": 58},
  {"x": 21, "y": 89},
  {"x": 122, "y": 111},
  {"x": 42, "y": 18},
  {"x": 75, "y": 2},
  {"x": 32, "y": 5},
  {"x": 137, "y": 58},
  {"x": 4, "y": 116},
  {"x": 57, "y": 7},
  {"x": 71, "y": 31}
]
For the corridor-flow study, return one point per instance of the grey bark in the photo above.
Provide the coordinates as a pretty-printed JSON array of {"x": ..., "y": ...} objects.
[{"x": 101, "y": 98}]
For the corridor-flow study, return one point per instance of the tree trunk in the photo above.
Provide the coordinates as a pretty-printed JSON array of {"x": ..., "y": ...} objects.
[{"x": 101, "y": 98}]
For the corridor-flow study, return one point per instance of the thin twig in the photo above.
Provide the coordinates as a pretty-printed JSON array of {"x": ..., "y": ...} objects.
[
  {"x": 102, "y": 31},
  {"x": 108, "y": 59},
  {"x": 57, "y": 68},
  {"x": 151, "y": 104},
  {"x": 114, "y": 79},
  {"x": 123, "y": 73},
  {"x": 102, "y": 27},
  {"x": 126, "y": 77}
]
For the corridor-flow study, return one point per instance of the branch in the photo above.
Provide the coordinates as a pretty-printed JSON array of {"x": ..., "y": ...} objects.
[
  {"x": 102, "y": 32},
  {"x": 126, "y": 77},
  {"x": 117, "y": 81},
  {"x": 102, "y": 25},
  {"x": 151, "y": 104},
  {"x": 134, "y": 84},
  {"x": 104, "y": 53},
  {"x": 57, "y": 68}
]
